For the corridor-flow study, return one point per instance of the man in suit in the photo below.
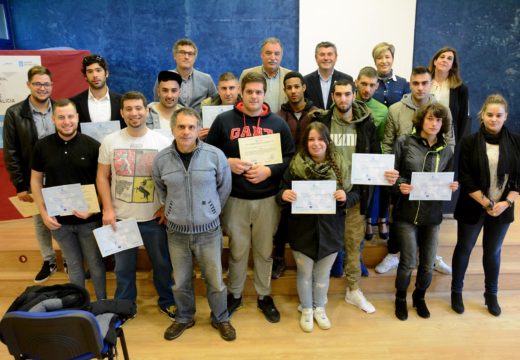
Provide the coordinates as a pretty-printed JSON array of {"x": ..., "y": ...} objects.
[
  {"x": 97, "y": 103},
  {"x": 320, "y": 81},
  {"x": 271, "y": 53}
]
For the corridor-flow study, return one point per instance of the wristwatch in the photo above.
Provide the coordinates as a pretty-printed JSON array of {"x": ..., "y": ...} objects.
[
  {"x": 490, "y": 205},
  {"x": 509, "y": 202}
]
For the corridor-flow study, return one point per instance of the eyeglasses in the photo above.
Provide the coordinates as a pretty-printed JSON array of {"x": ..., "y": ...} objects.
[
  {"x": 39, "y": 85},
  {"x": 92, "y": 58},
  {"x": 186, "y": 53}
]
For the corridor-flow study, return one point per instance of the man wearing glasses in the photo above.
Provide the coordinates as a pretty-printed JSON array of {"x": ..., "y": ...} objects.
[
  {"x": 97, "y": 103},
  {"x": 25, "y": 123},
  {"x": 196, "y": 85}
]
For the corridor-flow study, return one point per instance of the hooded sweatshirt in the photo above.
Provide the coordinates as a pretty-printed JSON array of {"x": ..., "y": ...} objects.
[{"x": 231, "y": 125}]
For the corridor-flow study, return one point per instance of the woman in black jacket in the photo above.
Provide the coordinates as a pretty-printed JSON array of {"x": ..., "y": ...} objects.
[
  {"x": 417, "y": 223},
  {"x": 490, "y": 182},
  {"x": 315, "y": 238}
]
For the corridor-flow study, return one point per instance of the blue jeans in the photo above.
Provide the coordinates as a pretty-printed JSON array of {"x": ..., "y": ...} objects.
[
  {"x": 312, "y": 279},
  {"x": 156, "y": 243},
  {"x": 44, "y": 237},
  {"x": 77, "y": 243},
  {"x": 207, "y": 249},
  {"x": 494, "y": 234},
  {"x": 412, "y": 237}
]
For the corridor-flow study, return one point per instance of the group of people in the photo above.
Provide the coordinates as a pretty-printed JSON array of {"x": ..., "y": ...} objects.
[{"x": 184, "y": 194}]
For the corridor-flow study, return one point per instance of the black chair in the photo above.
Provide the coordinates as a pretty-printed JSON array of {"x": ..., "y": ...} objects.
[{"x": 57, "y": 335}]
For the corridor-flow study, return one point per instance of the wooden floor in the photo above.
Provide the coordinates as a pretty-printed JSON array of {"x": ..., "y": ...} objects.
[{"x": 354, "y": 335}]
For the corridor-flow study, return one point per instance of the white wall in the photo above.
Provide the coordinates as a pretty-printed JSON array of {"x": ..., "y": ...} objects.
[{"x": 355, "y": 27}]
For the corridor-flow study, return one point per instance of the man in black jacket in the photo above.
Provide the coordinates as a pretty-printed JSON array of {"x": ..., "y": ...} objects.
[
  {"x": 25, "y": 123},
  {"x": 97, "y": 103}
]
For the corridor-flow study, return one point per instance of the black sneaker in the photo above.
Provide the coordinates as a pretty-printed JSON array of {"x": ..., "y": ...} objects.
[
  {"x": 65, "y": 268},
  {"x": 278, "y": 268},
  {"x": 170, "y": 311},
  {"x": 226, "y": 330},
  {"x": 46, "y": 271},
  {"x": 233, "y": 304},
  {"x": 176, "y": 329},
  {"x": 266, "y": 305}
]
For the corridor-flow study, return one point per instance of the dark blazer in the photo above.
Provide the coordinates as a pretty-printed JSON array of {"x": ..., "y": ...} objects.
[
  {"x": 459, "y": 112},
  {"x": 313, "y": 91},
  {"x": 81, "y": 101}
]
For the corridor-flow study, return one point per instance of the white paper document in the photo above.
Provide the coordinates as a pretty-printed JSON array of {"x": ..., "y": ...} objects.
[
  {"x": 98, "y": 130},
  {"x": 263, "y": 149},
  {"x": 314, "y": 197},
  {"x": 369, "y": 169},
  {"x": 62, "y": 200},
  {"x": 431, "y": 186},
  {"x": 210, "y": 112},
  {"x": 127, "y": 236}
]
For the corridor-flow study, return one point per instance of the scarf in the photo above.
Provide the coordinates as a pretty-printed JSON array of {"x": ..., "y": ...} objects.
[
  {"x": 302, "y": 167},
  {"x": 508, "y": 159},
  {"x": 387, "y": 77}
]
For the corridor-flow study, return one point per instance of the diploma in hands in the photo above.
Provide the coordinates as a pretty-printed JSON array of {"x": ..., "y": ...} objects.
[
  {"x": 314, "y": 197},
  {"x": 127, "y": 236},
  {"x": 431, "y": 186},
  {"x": 369, "y": 169},
  {"x": 262, "y": 150}
]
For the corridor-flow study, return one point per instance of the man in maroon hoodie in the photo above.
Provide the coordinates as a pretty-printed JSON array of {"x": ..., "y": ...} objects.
[{"x": 251, "y": 215}]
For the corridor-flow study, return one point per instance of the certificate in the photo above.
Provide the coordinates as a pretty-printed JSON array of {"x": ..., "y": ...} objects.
[
  {"x": 25, "y": 208},
  {"x": 314, "y": 197},
  {"x": 263, "y": 149},
  {"x": 210, "y": 112},
  {"x": 369, "y": 169},
  {"x": 62, "y": 200},
  {"x": 127, "y": 236},
  {"x": 431, "y": 186},
  {"x": 98, "y": 130}
]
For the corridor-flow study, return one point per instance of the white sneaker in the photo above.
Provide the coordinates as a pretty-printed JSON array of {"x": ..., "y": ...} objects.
[
  {"x": 357, "y": 298},
  {"x": 306, "y": 322},
  {"x": 390, "y": 262},
  {"x": 440, "y": 266},
  {"x": 321, "y": 318}
]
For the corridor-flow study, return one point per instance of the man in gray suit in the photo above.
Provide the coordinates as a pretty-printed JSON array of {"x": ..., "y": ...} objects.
[
  {"x": 320, "y": 81},
  {"x": 196, "y": 85},
  {"x": 271, "y": 54}
]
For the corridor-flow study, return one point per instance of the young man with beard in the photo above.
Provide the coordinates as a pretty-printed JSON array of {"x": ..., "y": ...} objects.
[
  {"x": 295, "y": 112},
  {"x": 97, "y": 103},
  {"x": 69, "y": 157},
  {"x": 353, "y": 131},
  {"x": 25, "y": 123},
  {"x": 126, "y": 188},
  {"x": 168, "y": 91},
  {"x": 251, "y": 214}
]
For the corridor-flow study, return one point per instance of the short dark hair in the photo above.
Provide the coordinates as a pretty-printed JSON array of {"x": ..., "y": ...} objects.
[
  {"x": 342, "y": 82},
  {"x": 62, "y": 103},
  {"x": 293, "y": 74},
  {"x": 133, "y": 95},
  {"x": 93, "y": 59},
  {"x": 227, "y": 76},
  {"x": 325, "y": 44},
  {"x": 438, "y": 110},
  {"x": 252, "y": 77},
  {"x": 418, "y": 70},
  {"x": 184, "y": 42},
  {"x": 38, "y": 70},
  {"x": 186, "y": 111},
  {"x": 367, "y": 71}
]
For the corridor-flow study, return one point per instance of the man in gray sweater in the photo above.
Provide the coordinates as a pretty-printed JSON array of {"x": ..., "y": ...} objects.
[{"x": 193, "y": 180}]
